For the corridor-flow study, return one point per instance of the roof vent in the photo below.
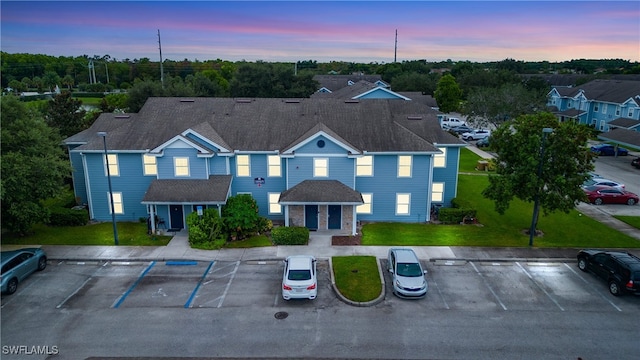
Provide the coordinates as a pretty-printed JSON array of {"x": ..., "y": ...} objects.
[
  {"x": 243, "y": 101},
  {"x": 292, "y": 101},
  {"x": 187, "y": 100},
  {"x": 414, "y": 117},
  {"x": 351, "y": 101},
  {"x": 122, "y": 116}
]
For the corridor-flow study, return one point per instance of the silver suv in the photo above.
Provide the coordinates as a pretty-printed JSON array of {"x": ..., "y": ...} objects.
[{"x": 407, "y": 273}]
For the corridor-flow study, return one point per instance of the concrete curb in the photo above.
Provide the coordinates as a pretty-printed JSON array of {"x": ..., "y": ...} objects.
[{"x": 342, "y": 298}]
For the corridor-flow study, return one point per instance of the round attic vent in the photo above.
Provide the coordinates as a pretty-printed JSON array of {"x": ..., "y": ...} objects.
[{"x": 320, "y": 143}]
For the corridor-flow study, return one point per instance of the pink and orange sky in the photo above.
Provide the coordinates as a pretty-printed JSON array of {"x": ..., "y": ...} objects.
[{"x": 356, "y": 31}]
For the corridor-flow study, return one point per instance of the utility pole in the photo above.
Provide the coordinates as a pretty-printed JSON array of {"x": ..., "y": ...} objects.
[
  {"x": 161, "y": 69},
  {"x": 395, "y": 52}
]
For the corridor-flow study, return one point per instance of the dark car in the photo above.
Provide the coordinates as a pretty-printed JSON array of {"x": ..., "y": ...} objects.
[
  {"x": 483, "y": 142},
  {"x": 608, "y": 150},
  {"x": 609, "y": 195},
  {"x": 620, "y": 270},
  {"x": 17, "y": 265},
  {"x": 636, "y": 163}
]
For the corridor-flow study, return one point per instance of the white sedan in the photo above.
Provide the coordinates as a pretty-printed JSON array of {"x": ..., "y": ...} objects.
[
  {"x": 299, "y": 280},
  {"x": 476, "y": 135},
  {"x": 603, "y": 182}
]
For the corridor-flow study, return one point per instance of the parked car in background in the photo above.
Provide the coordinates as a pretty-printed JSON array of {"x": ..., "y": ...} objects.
[
  {"x": 608, "y": 195},
  {"x": 483, "y": 142},
  {"x": 636, "y": 163},
  {"x": 476, "y": 135},
  {"x": 620, "y": 270},
  {"x": 407, "y": 273},
  {"x": 17, "y": 265},
  {"x": 603, "y": 182},
  {"x": 608, "y": 150},
  {"x": 299, "y": 280},
  {"x": 451, "y": 122},
  {"x": 461, "y": 129}
]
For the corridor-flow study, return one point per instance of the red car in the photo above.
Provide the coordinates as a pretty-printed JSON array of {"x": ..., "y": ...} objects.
[{"x": 610, "y": 195}]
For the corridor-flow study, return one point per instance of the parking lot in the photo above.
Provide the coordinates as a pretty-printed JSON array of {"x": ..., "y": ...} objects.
[{"x": 453, "y": 285}]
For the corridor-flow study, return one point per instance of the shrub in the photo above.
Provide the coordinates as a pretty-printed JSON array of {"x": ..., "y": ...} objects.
[
  {"x": 459, "y": 210},
  {"x": 240, "y": 215},
  {"x": 264, "y": 225},
  {"x": 67, "y": 217},
  {"x": 293, "y": 235},
  {"x": 206, "y": 231}
]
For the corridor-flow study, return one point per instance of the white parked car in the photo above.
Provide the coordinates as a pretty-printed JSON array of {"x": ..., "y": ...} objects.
[
  {"x": 407, "y": 273},
  {"x": 476, "y": 135},
  {"x": 451, "y": 122},
  {"x": 299, "y": 280},
  {"x": 603, "y": 182}
]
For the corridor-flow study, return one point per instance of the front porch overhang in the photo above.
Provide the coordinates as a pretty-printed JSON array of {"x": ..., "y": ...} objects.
[{"x": 321, "y": 192}]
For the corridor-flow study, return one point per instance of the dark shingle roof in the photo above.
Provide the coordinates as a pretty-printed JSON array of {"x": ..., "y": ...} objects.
[
  {"x": 321, "y": 192},
  {"x": 171, "y": 191},
  {"x": 336, "y": 82},
  {"x": 623, "y": 137},
  {"x": 625, "y": 123},
  {"x": 374, "y": 125},
  {"x": 613, "y": 91}
]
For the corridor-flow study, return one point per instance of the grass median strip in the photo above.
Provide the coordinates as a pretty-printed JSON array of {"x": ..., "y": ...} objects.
[{"x": 357, "y": 277}]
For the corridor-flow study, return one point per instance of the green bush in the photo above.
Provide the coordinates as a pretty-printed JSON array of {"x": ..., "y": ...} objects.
[
  {"x": 264, "y": 225},
  {"x": 459, "y": 210},
  {"x": 206, "y": 231},
  {"x": 67, "y": 217},
  {"x": 294, "y": 235}
]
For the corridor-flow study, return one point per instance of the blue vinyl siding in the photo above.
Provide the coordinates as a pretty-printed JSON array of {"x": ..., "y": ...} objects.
[
  {"x": 448, "y": 175},
  {"x": 260, "y": 193},
  {"x": 78, "y": 175},
  {"x": 197, "y": 167},
  {"x": 301, "y": 168},
  {"x": 329, "y": 147},
  {"x": 131, "y": 183},
  {"x": 218, "y": 165},
  {"x": 385, "y": 184}
]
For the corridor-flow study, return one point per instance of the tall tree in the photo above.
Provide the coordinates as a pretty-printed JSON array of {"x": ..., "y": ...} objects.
[
  {"x": 563, "y": 165},
  {"x": 448, "y": 94},
  {"x": 33, "y": 166},
  {"x": 65, "y": 114}
]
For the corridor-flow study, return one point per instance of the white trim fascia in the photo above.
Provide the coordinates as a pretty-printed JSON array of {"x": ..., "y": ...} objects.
[
  {"x": 183, "y": 139},
  {"x": 315, "y": 136},
  {"x": 205, "y": 139},
  {"x": 383, "y": 89}
]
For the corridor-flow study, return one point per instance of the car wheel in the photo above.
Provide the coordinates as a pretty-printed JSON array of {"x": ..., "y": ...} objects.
[
  {"x": 614, "y": 288},
  {"x": 12, "y": 286},
  {"x": 631, "y": 202},
  {"x": 597, "y": 201},
  {"x": 582, "y": 264},
  {"x": 42, "y": 263}
]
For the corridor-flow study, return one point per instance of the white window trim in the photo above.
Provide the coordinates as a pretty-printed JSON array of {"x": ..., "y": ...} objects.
[
  {"x": 145, "y": 165},
  {"x": 441, "y": 193},
  {"x": 410, "y": 166},
  {"x": 277, "y": 195},
  {"x": 114, "y": 166},
  {"x": 316, "y": 168},
  {"x": 175, "y": 166},
  {"x": 440, "y": 157},
  {"x": 368, "y": 167},
  {"x": 274, "y": 166},
  {"x": 248, "y": 165},
  {"x": 408, "y": 213},
  {"x": 115, "y": 203},
  {"x": 366, "y": 204}
]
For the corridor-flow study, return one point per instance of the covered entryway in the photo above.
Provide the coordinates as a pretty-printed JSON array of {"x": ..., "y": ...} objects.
[
  {"x": 321, "y": 205},
  {"x": 177, "y": 216}
]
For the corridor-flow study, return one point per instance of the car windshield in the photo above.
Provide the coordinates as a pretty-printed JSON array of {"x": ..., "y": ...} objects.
[
  {"x": 409, "y": 269},
  {"x": 299, "y": 275}
]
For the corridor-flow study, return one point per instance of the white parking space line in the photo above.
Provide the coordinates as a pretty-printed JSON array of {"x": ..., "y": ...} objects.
[
  {"x": 226, "y": 290},
  {"x": 487, "y": 284},
  {"x": 539, "y": 287},
  {"x": 81, "y": 286},
  {"x": 440, "y": 292},
  {"x": 592, "y": 287}
]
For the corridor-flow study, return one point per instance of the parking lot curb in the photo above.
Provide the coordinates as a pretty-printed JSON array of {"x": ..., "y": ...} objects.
[
  {"x": 358, "y": 303},
  {"x": 538, "y": 260}
]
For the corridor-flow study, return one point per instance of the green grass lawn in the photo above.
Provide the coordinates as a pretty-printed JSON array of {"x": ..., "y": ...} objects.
[
  {"x": 254, "y": 241},
  {"x": 631, "y": 220},
  {"x": 357, "y": 277},
  {"x": 129, "y": 234}
]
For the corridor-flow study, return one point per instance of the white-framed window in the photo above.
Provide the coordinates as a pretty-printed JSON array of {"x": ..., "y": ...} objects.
[
  {"x": 437, "y": 192},
  {"x": 596, "y": 107},
  {"x": 364, "y": 166},
  {"x": 604, "y": 108},
  {"x": 617, "y": 110},
  {"x": 367, "y": 206},
  {"x": 320, "y": 167},
  {"x": 274, "y": 167},
  {"x": 404, "y": 165},
  {"x": 117, "y": 203},
  {"x": 274, "y": 207},
  {"x": 243, "y": 165},
  {"x": 602, "y": 124},
  {"x": 630, "y": 114},
  {"x": 440, "y": 160},
  {"x": 569, "y": 103},
  {"x": 403, "y": 203},
  {"x": 181, "y": 166},
  {"x": 114, "y": 169},
  {"x": 149, "y": 165}
]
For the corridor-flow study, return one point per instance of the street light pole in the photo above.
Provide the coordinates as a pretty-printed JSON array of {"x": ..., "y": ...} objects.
[
  {"x": 103, "y": 134},
  {"x": 536, "y": 202}
]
